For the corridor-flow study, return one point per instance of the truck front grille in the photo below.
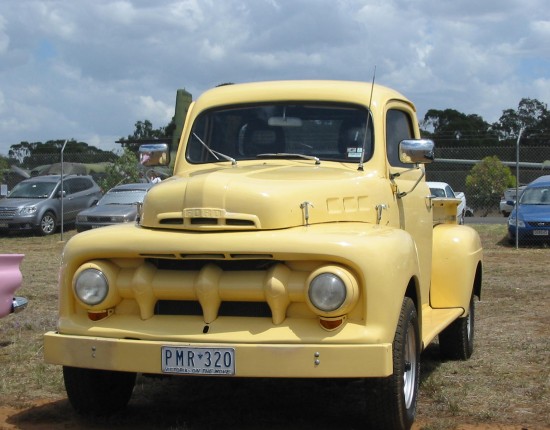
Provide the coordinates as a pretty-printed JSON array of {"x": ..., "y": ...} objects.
[
  {"x": 227, "y": 309},
  {"x": 221, "y": 286}
]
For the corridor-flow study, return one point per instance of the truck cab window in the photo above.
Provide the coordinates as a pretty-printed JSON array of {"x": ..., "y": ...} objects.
[{"x": 398, "y": 128}]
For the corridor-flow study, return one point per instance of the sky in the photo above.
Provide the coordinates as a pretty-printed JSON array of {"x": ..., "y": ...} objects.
[{"x": 89, "y": 70}]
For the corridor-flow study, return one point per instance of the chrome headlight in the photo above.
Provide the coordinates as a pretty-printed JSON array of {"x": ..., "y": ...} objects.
[
  {"x": 91, "y": 286},
  {"x": 327, "y": 292}
]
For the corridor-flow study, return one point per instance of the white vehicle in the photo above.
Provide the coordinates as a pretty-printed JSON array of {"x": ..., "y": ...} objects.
[
  {"x": 508, "y": 200},
  {"x": 444, "y": 190}
]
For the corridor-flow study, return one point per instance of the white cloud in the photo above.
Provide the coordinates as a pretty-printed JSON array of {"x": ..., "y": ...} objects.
[{"x": 90, "y": 70}]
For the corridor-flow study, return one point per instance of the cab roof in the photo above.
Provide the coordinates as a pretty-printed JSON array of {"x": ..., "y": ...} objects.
[{"x": 301, "y": 90}]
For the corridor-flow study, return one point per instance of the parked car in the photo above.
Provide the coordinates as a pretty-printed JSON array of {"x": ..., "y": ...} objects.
[
  {"x": 35, "y": 203},
  {"x": 532, "y": 213},
  {"x": 508, "y": 200},
  {"x": 444, "y": 190},
  {"x": 10, "y": 281},
  {"x": 118, "y": 205}
]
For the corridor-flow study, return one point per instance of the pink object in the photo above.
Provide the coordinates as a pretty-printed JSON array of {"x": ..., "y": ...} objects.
[{"x": 10, "y": 280}]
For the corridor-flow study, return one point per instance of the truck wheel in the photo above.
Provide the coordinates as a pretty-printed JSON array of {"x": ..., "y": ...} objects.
[
  {"x": 47, "y": 224},
  {"x": 98, "y": 392},
  {"x": 456, "y": 342},
  {"x": 391, "y": 401}
]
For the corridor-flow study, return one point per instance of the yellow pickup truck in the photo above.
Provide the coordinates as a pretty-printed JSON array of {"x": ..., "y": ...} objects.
[{"x": 297, "y": 238}]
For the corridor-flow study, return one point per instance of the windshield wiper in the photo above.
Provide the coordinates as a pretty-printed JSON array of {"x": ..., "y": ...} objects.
[
  {"x": 290, "y": 155},
  {"x": 215, "y": 154}
]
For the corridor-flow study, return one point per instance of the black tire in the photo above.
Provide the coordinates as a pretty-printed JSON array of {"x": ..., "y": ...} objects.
[
  {"x": 391, "y": 401},
  {"x": 48, "y": 224},
  {"x": 98, "y": 392},
  {"x": 456, "y": 342}
]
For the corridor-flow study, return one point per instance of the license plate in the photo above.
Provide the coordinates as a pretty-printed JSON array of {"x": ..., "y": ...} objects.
[
  {"x": 540, "y": 232},
  {"x": 198, "y": 361}
]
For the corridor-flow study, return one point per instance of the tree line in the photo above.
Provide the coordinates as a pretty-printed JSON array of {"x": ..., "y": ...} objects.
[{"x": 450, "y": 128}]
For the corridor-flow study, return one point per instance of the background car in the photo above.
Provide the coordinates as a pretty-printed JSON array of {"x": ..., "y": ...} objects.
[
  {"x": 10, "y": 281},
  {"x": 509, "y": 195},
  {"x": 35, "y": 203},
  {"x": 118, "y": 205},
  {"x": 532, "y": 214}
]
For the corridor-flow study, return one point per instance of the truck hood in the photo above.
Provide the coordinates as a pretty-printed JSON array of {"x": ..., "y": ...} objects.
[{"x": 253, "y": 197}]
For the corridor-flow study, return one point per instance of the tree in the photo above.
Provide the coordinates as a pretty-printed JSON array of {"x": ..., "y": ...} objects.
[
  {"x": 486, "y": 183},
  {"x": 531, "y": 115},
  {"x": 144, "y": 130},
  {"x": 126, "y": 169},
  {"x": 452, "y": 128}
]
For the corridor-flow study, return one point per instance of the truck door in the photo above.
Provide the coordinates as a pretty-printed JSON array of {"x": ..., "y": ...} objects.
[{"x": 415, "y": 208}]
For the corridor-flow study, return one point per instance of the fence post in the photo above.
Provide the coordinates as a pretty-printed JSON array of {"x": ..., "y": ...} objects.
[
  {"x": 62, "y": 191},
  {"x": 517, "y": 184}
]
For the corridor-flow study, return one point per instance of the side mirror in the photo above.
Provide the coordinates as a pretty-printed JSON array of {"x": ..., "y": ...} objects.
[
  {"x": 416, "y": 151},
  {"x": 154, "y": 154}
]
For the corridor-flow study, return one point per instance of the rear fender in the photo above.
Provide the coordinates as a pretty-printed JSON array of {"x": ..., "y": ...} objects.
[{"x": 456, "y": 262}]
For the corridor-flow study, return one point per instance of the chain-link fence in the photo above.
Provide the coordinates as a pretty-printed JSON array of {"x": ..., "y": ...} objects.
[{"x": 453, "y": 164}]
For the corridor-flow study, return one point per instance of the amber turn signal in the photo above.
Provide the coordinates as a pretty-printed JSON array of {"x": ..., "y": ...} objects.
[
  {"x": 99, "y": 315},
  {"x": 331, "y": 323}
]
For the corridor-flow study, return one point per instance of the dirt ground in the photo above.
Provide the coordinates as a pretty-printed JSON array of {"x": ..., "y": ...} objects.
[
  {"x": 229, "y": 404},
  {"x": 58, "y": 414}
]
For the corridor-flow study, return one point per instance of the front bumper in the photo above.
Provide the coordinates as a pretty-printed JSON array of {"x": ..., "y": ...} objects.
[{"x": 252, "y": 360}]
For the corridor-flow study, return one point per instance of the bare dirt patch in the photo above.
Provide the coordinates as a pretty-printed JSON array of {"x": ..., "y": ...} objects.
[{"x": 504, "y": 386}]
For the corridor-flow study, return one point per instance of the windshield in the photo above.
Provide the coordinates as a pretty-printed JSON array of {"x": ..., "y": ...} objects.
[
  {"x": 536, "y": 196},
  {"x": 329, "y": 132},
  {"x": 32, "y": 190},
  {"x": 126, "y": 197}
]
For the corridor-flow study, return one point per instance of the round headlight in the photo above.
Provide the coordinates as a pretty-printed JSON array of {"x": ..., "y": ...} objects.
[
  {"x": 327, "y": 292},
  {"x": 91, "y": 286}
]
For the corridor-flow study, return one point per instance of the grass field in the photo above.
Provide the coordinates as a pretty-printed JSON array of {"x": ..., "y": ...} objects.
[{"x": 505, "y": 385}]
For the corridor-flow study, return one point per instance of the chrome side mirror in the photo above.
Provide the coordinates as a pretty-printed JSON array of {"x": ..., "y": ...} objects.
[
  {"x": 416, "y": 151},
  {"x": 154, "y": 154}
]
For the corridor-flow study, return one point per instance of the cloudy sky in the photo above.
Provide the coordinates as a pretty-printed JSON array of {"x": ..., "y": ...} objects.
[{"x": 89, "y": 70}]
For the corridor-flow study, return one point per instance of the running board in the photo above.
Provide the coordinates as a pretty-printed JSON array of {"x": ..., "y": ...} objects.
[{"x": 434, "y": 321}]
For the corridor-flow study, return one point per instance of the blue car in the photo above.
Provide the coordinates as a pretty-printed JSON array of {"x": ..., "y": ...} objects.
[{"x": 531, "y": 214}]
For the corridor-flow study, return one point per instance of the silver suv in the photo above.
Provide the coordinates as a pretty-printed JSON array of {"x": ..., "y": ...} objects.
[{"x": 35, "y": 203}]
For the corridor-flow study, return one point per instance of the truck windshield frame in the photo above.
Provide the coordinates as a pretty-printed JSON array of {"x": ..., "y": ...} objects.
[{"x": 331, "y": 132}]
